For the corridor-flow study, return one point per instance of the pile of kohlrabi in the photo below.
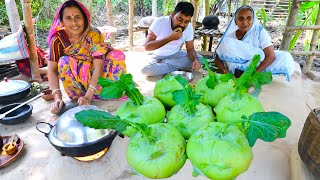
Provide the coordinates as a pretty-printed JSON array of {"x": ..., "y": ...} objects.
[{"x": 219, "y": 150}]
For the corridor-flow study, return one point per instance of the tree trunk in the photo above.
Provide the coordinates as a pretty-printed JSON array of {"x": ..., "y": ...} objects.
[
  {"x": 195, "y": 14},
  {"x": 27, "y": 18},
  {"x": 313, "y": 45},
  {"x": 13, "y": 15},
  {"x": 206, "y": 8},
  {"x": 110, "y": 19},
  {"x": 131, "y": 23}
]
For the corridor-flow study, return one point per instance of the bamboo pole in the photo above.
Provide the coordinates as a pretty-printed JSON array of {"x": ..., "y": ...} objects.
[
  {"x": 110, "y": 19},
  {"x": 195, "y": 14},
  {"x": 308, "y": 0},
  {"x": 229, "y": 10},
  {"x": 27, "y": 18},
  {"x": 206, "y": 9},
  {"x": 305, "y": 53},
  {"x": 313, "y": 44},
  {"x": 293, "y": 28},
  {"x": 295, "y": 6},
  {"x": 131, "y": 23}
]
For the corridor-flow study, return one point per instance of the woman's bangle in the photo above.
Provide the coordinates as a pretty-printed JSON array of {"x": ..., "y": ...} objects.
[
  {"x": 91, "y": 89},
  {"x": 225, "y": 71},
  {"x": 90, "y": 86},
  {"x": 55, "y": 91}
]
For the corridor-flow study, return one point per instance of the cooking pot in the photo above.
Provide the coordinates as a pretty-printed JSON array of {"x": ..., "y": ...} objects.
[
  {"x": 17, "y": 116},
  {"x": 12, "y": 90},
  {"x": 73, "y": 139}
]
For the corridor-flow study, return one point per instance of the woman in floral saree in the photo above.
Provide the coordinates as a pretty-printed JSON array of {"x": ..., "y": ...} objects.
[
  {"x": 78, "y": 55},
  {"x": 244, "y": 38}
]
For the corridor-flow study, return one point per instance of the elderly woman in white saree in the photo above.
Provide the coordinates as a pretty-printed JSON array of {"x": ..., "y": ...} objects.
[{"x": 244, "y": 38}]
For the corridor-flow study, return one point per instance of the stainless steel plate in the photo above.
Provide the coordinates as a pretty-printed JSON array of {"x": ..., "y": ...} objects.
[{"x": 187, "y": 75}]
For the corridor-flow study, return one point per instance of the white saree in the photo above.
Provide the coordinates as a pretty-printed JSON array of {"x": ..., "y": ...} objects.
[{"x": 237, "y": 54}]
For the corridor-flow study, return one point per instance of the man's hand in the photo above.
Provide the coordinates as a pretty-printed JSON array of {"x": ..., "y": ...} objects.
[
  {"x": 196, "y": 65},
  {"x": 176, "y": 34}
]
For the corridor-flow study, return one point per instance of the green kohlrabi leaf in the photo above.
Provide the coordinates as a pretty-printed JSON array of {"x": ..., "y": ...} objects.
[
  {"x": 252, "y": 77},
  {"x": 267, "y": 126},
  {"x": 260, "y": 78},
  {"x": 103, "y": 120},
  {"x": 115, "y": 89},
  {"x": 186, "y": 97},
  {"x": 226, "y": 77}
]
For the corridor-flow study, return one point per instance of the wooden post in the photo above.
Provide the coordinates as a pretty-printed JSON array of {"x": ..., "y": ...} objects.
[
  {"x": 27, "y": 18},
  {"x": 13, "y": 15},
  {"x": 195, "y": 14},
  {"x": 154, "y": 8},
  {"x": 313, "y": 44},
  {"x": 206, "y": 9},
  {"x": 110, "y": 19},
  {"x": 295, "y": 6},
  {"x": 229, "y": 10},
  {"x": 244, "y": 2},
  {"x": 131, "y": 23}
]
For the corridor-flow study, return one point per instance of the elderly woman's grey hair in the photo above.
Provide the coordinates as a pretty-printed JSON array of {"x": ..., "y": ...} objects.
[{"x": 242, "y": 8}]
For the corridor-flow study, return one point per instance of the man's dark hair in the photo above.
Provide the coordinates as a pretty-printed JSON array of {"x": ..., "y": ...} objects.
[{"x": 185, "y": 8}]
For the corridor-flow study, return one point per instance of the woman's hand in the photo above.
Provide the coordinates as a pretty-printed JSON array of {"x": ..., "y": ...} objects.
[
  {"x": 57, "y": 106},
  {"x": 84, "y": 101}
]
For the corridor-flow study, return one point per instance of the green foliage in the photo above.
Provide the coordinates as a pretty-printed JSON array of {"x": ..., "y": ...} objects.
[
  {"x": 307, "y": 16},
  {"x": 263, "y": 16},
  {"x": 266, "y": 126},
  {"x": 115, "y": 89},
  {"x": 170, "y": 4}
]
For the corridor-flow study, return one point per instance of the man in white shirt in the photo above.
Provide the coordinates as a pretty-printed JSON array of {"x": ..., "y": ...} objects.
[{"x": 165, "y": 37}]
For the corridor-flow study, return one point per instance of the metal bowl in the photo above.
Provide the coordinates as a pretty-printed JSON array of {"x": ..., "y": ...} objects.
[
  {"x": 73, "y": 139},
  {"x": 185, "y": 74},
  {"x": 17, "y": 116},
  {"x": 68, "y": 131}
]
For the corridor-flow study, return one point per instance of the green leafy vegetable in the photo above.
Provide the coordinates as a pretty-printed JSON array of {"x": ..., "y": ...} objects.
[
  {"x": 188, "y": 115},
  {"x": 251, "y": 76},
  {"x": 267, "y": 126},
  {"x": 214, "y": 87},
  {"x": 156, "y": 151},
  {"x": 164, "y": 88},
  {"x": 223, "y": 151},
  {"x": 114, "y": 89},
  {"x": 103, "y": 120},
  {"x": 186, "y": 97},
  {"x": 219, "y": 157},
  {"x": 140, "y": 109}
]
